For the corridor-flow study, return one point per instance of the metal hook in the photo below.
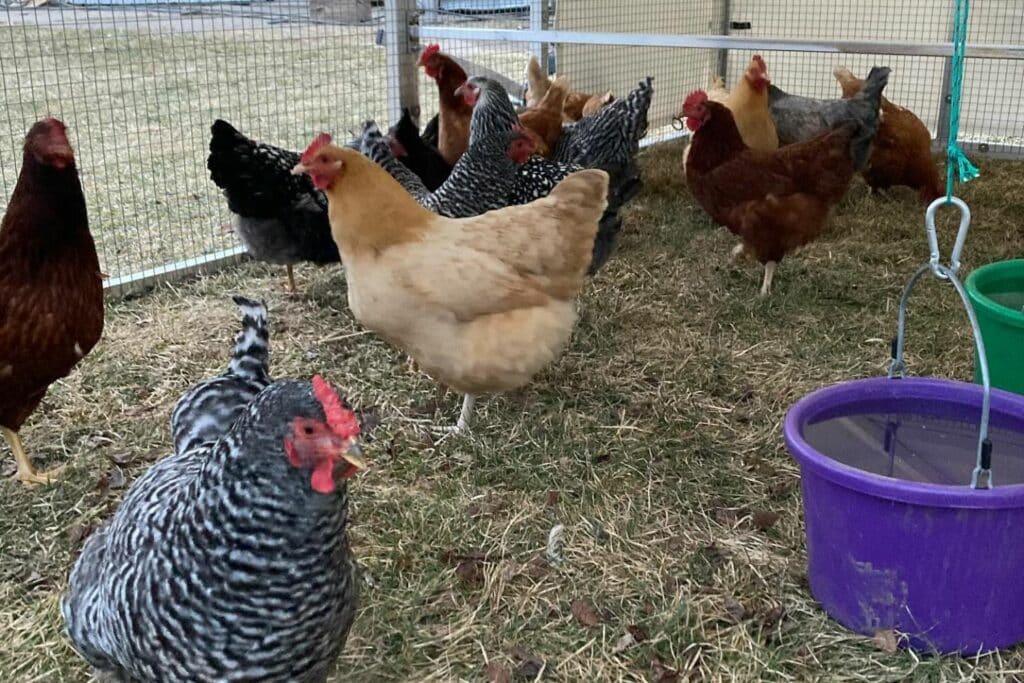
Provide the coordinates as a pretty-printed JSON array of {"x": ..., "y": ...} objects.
[{"x": 935, "y": 261}]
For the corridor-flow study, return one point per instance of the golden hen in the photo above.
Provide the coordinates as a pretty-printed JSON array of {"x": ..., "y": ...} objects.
[{"x": 481, "y": 303}]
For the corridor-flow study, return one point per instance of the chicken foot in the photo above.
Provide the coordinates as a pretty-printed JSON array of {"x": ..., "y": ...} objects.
[
  {"x": 769, "y": 273},
  {"x": 26, "y": 473},
  {"x": 462, "y": 426}
]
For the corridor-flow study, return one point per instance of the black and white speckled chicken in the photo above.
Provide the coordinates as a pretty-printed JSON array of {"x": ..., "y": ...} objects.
[
  {"x": 608, "y": 140},
  {"x": 229, "y": 561},
  {"x": 206, "y": 411},
  {"x": 479, "y": 182},
  {"x": 280, "y": 218}
]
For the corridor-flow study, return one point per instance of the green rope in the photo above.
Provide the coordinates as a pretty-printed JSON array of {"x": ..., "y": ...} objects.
[{"x": 956, "y": 161}]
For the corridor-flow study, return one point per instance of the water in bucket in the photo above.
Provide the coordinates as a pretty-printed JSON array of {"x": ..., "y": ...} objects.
[{"x": 915, "y": 447}]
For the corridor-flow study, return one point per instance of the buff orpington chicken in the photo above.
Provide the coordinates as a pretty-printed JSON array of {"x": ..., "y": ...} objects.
[{"x": 481, "y": 303}]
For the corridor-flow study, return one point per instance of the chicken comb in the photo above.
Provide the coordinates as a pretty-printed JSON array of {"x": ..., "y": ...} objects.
[
  {"x": 428, "y": 52},
  {"x": 759, "y": 60},
  {"x": 340, "y": 419},
  {"x": 319, "y": 142},
  {"x": 694, "y": 99}
]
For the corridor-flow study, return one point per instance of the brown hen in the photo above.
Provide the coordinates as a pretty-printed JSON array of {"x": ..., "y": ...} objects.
[{"x": 51, "y": 291}]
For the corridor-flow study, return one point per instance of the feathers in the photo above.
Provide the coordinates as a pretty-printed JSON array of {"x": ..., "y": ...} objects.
[{"x": 280, "y": 218}]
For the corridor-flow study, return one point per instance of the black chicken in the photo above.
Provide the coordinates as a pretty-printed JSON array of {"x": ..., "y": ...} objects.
[{"x": 280, "y": 218}]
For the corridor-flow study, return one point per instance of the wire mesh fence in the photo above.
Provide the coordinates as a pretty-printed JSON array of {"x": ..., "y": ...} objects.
[{"x": 140, "y": 81}]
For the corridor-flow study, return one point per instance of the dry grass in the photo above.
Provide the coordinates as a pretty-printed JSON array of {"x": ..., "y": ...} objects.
[{"x": 654, "y": 441}]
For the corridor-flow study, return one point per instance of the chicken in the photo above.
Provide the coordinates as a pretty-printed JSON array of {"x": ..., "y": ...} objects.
[
  {"x": 280, "y": 218},
  {"x": 748, "y": 103},
  {"x": 481, "y": 180},
  {"x": 802, "y": 118},
  {"x": 481, "y": 303},
  {"x": 206, "y": 411},
  {"x": 416, "y": 154},
  {"x": 774, "y": 201},
  {"x": 577, "y": 104},
  {"x": 545, "y": 118},
  {"x": 229, "y": 560},
  {"x": 902, "y": 149},
  {"x": 51, "y": 289},
  {"x": 454, "y": 114}
]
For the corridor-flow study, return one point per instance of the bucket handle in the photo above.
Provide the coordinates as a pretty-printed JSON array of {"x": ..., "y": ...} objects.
[{"x": 981, "y": 477}]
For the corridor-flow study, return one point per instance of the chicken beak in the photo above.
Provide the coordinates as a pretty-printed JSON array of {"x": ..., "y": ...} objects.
[
  {"x": 354, "y": 456},
  {"x": 460, "y": 91},
  {"x": 300, "y": 169}
]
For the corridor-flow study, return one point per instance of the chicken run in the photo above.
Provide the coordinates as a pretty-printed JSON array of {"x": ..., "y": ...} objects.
[{"x": 467, "y": 247}]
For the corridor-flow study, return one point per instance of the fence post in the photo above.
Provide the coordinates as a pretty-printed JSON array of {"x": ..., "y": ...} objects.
[
  {"x": 725, "y": 16},
  {"x": 402, "y": 50},
  {"x": 539, "y": 22}
]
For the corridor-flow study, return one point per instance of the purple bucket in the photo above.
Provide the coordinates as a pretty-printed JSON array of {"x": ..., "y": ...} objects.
[{"x": 896, "y": 539}]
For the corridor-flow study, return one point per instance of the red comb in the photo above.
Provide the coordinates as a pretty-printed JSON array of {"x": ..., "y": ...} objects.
[
  {"x": 428, "y": 52},
  {"x": 340, "y": 419},
  {"x": 695, "y": 98},
  {"x": 319, "y": 142},
  {"x": 760, "y": 63}
]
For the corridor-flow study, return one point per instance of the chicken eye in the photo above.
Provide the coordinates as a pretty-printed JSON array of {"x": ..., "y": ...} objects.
[{"x": 308, "y": 430}]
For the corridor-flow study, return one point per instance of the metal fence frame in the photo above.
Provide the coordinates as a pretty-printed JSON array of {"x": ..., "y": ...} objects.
[{"x": 403, "y": 33}]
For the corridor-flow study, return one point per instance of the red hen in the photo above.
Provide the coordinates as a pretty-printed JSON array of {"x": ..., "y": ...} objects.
[
  {"x": 773, "y": 201},
  {"x": 51, "y": 291}
]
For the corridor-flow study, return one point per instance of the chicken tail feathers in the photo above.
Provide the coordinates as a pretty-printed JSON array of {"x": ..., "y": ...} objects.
[
  {"x": 867, "y": 114},
  {"x": 251, "y": 357}
]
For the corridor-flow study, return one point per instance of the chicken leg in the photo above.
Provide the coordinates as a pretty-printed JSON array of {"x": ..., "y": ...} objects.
[
  {"x": 769, "y": 273},
  {"x": 291, "y": 279},
  {"x": 26, "y": 474}
]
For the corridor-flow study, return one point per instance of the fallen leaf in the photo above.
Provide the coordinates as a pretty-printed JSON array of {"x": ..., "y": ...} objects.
[
  {"x": 552, "y": 498},
  {"x": 662, "y": 673},
  {"x": 764, "y": 519},
  {"x": 886, "y": 641},
  {"x": 583, "y": 610},
  {"x": 781, "y": 488},
  {"x": 470, "y": 571},
  {"x": 496, "y": 673},
  {"x": 530, "y": 665},
  {"x": 773, "y": 616},
  {"x": 734, "y": 610}
]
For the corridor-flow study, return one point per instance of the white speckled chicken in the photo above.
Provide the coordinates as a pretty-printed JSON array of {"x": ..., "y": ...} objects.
[{"x": 229, "y": 561}]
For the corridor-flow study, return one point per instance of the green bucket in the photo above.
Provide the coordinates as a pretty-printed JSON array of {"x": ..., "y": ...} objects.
[{"x": 997, "y": 294}]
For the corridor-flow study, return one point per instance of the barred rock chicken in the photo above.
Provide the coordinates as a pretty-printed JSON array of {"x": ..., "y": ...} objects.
[
  {"x": 280, "y": 218},
  {"x": 51, "y": 290},
  {"x": 481, "y": 303},
  {"x": 229, "y": 561},
  {"x": 902, "y": 149},
  {"x": 206, "y": 411},
  {"x": 802, "y": 118},
  {"x": 416, "y": 154},
  {"x": 774, "y": 201},
  {"x": 480, "y": 181},
  {"x": 454, "y": 114}
]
